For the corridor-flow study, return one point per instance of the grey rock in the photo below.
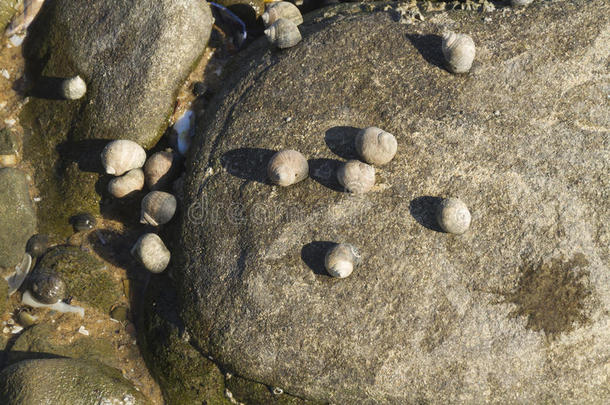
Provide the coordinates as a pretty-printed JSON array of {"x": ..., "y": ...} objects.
[
  {"x": 65, "y": 381},
  {"x": 17, "y": 216},
  {"x": 133, "y": 59},
  {"x": 514, "y": 310}
]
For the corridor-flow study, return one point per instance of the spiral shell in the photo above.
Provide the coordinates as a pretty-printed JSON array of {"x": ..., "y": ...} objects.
[
  {"x": 158, "y": 208},
  {"x": 73, "y": 88},
  {"x": 151, "y": 252},
  {"x": 131, "y": 181},
  {"x": 282, "y": 9},
  {"x": 341, "y": 260},
  {"x": 283, "y": 33},
  {"x": 520, "y": 3},
  {"x": 287, "y": 167},
  {"x": 356, "y": 177},
  {"x": 453, "y": 216},
  {"x": 160, "y": 169},
  {"x": 459, "y": 51},
  {"x": 47, "y": 286},
  {"x": 37, "y": 245},
  {"x": 119, "y": 157},
  {"x": 376, "y": 146}
]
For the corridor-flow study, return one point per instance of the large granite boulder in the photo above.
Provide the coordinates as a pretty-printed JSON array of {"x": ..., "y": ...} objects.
[
  {"x": 134, "y": 57},
  {"x": 65, "y": 381},
  {"x": 514, "y": 310},
  {"x": 17, "y": 217}
]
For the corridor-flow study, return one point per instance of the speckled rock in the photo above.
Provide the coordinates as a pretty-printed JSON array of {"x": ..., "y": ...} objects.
[
  {"x": 516, "y": 310},
  {"x": 17, "y": 216},
  {"x": 65, "y": 381}
]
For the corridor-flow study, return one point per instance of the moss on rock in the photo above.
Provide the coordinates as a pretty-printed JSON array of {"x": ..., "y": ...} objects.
[
  {"x": 84, "y": 275},
  {"x": 3, "y": 295}
]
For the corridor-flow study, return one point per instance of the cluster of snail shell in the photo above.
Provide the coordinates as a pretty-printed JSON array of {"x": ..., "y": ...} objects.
[
  {"x": 127, "y": 159},
  {"x": 281, "y": 20}
]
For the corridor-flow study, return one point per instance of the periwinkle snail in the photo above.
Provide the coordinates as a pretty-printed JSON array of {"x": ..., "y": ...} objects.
[
  {"x": 131, "y": 181},
  {"x": 47, "y": 286},
  {"x": 453, "y": 216},
  {"x": 151, "y": 252},
  {"x": 158, "y": 208},
  {"x": 160, "y": 169},
  {"x": 459, "y": 51},
  {"x": 341, "y": 260},
  {"x": 287, "y": 167},
  {"x": 73, "y": 88},
  {"x": 83, "y": 222},
  {"x": 520, "y": 3},
  {"x": 283, "y": 33},
  {"x": 376, "y": 146},
  {"x": 37, "y": 245},
  {"x": 356, "y": 177},
  {"x": 119, "y": 157},
  {"x": 282, "y": 9}
]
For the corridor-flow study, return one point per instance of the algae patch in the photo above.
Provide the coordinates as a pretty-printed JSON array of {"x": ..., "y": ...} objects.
[{"x": 552, "y": 295}]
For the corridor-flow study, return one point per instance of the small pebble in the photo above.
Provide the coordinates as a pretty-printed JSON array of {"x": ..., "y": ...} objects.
[
  {"x": 5, "y": 74},
  {"x": 83, "y": 331}
]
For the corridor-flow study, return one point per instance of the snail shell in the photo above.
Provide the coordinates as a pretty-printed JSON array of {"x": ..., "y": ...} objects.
[
  {"x": 287, "y": 167},
  {"x": 83, "y": 222},
  {"x": 283, "y": 33},
  {"x": 37, "y": 245},
  {"x": 119, "y": 157},
  {"x": 356, "y": 177},
  {"x": 453, "y": 216},
  {"x": 459, "y": 51},
  {"x": 160, "y": 168},
  {"x": 158, "y": 208},
  {"x": 282, "y": 9},
  {"x": 520, "y": 3},
  {"x": 376, "y": 146},
  {"x": 151, "y": 252},
  {"x": 73, "y": 88},
  {"x": 131, "y": 181},
  {"x": 47, "y": 287},
  {"x": 341, "y": 260}
]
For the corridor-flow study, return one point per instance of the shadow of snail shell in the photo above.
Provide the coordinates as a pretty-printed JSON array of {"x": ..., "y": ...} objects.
[
  {"x": 376, "y": 146},
  {"x": 282, "y": 9},
  {"x": 151, "y": 252},
  {"x": 132, "y": 181},
  {"x": 459, "y": 51},
  {"x": 287, "y": 167},
  {"x": 47, "y": 286},
  {"x": 283, "y": 33},
  {"x": 73, "y": 88},
  {"x": 119, "y": 157},
  {"x": 341, "y": 260},
  {"x": 453, "y": 216},
  {"x": 160, "y": 168},
  {"x": 356, "y": 177},
  {"x": 158, "y": 208}
]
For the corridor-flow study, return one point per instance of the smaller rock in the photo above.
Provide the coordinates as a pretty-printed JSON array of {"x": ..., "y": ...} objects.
[{"x": 52, "y": 381}]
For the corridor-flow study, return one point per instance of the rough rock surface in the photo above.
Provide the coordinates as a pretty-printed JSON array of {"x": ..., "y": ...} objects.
[
  {"x": 133, "y": 58},
  {"x": 17, "y": 216},
  {"x": 514, "y": 310},
  {"x": 7, "y": 10},
  {"x": 65, "y": 381}
]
